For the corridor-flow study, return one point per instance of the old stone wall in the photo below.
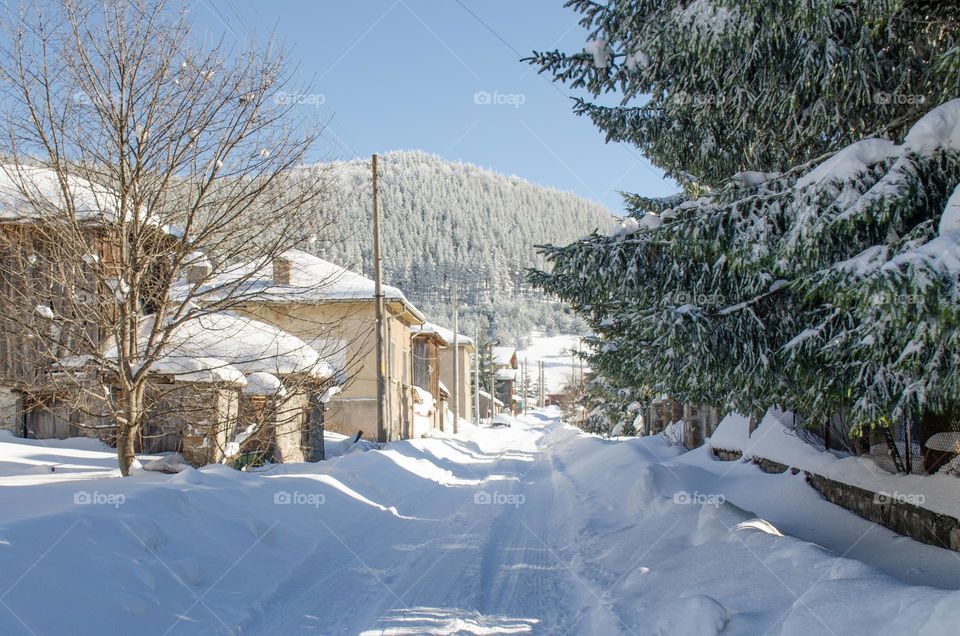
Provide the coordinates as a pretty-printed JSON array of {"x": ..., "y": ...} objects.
[
  {"x": 892, "y": 511},
  {"x": 727, "y": 455}
]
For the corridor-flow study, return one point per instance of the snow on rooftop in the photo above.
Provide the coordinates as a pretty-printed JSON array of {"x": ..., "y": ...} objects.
[
  {"x": 249, "y": 344},
  {"x": 27, "y": 193},
  {"x": 486, "y": 395},
  {"x": 309, "y": 271},
  {"x": 201, "y": 369},
  {"x": 311, "y": 279},
  {"x": 446, "y": 334},
  {"x": 428, "y": 328},
  {"x": 261, "y": 383},
  {"x": 503, "y": 356},
  {"x": 222, "y": 346}
]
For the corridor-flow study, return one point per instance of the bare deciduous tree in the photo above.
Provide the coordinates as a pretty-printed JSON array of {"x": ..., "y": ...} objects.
[{"x": 142, "y": 166}]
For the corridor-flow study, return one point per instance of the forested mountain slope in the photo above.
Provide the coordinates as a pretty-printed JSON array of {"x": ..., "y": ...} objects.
[{"x": 454, "y": 228}]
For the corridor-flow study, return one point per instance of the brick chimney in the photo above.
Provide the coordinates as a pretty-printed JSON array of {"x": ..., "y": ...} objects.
[
  {"x": 282, "y": 270},
  {"x": 198, "y": 267}
]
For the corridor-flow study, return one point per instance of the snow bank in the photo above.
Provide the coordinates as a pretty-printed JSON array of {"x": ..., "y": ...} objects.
[
  {"x": 775, "y": 439},
  {"x": 699, "y": 614},
  {"x": 732, "y": 433},
  {"x": 522, "y": 523}
]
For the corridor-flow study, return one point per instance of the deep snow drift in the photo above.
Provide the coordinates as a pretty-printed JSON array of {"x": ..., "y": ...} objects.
[{"x": 537, "y": 528}]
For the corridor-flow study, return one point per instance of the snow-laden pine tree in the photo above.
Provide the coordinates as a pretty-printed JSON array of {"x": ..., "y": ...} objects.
[{"x": 809, "y": 261}]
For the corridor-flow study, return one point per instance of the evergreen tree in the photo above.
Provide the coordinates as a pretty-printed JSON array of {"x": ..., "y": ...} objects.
[
  {"x": 609, "y": 409},
  {"x": 822, "y": 274},
  {"x": 714, "y": 87},
  {"x": 484, "y": 365}
]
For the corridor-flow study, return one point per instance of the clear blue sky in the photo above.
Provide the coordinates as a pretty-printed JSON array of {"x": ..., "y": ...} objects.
[{"x": 408, "y": 74}]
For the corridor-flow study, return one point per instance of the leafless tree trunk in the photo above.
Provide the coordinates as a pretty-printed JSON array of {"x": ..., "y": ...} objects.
[{"x": 143, "y": 166}]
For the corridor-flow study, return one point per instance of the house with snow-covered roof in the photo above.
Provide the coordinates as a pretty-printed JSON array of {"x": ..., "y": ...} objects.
[
  {"x": 222, "y": 388},
  {"x": 58, "y": 257},
  {"x": 333, "y": 310},
  {"x": 460, "y": 352},
  {"x": 428, "y": 342},
  {"x": 227, "y": 386},
  {"x": 488, "y": 405},
  {"x": 505, "y": 374},
  {"x": 219, "y": 386}
]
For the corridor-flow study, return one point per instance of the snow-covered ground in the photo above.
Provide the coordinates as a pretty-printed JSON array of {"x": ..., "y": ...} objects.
[
  {"x": 536, "y": 528},
  {"x": 554, "y": 351}
]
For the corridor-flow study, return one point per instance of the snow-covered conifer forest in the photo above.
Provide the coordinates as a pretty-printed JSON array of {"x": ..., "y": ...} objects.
[{"x": 454, "y": 231}]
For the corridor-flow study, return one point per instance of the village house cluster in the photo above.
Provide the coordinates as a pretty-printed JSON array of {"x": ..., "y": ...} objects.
[{"x": 285, "y": 352}]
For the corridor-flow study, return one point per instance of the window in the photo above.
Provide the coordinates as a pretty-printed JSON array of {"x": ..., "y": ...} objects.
[{"x": 421, "y": 363}]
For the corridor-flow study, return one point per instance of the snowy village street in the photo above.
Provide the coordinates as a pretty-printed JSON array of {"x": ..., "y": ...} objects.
[
  {"x": 482, "y": 317},
  {"x": 537, "y": 528}
]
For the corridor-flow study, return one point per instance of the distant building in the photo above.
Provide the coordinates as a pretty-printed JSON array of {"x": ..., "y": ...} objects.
[
  {"x": 463, "y": 388},
  {"x": 427, "y": 345},
  {"x": 505, "y": 374},
  {"x": 488, "y": 406}
]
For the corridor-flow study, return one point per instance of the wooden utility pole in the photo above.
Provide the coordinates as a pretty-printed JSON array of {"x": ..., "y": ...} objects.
[
  {"x": 378, "y": 302},
  {"x": 456, "y": 363},
  {"x": 493, "y": 385},
  {"x": 542, "y": 388},
  {"x": 523, "y": 384}
]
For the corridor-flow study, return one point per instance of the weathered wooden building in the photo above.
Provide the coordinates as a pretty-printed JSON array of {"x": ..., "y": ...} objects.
[
  {"x": 428, "y": 343},
  {"x": 221, "y": 384}
]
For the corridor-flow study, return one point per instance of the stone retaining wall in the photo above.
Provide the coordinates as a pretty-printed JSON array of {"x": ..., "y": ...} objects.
[
  {"x": 888, "y": 510},
  {"x": 727, "y": 455},
  {"x": 772, "y": 467}
]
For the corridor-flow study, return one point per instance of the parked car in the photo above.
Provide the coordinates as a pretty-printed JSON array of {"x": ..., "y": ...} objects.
[{"x": 502, "y": 420}]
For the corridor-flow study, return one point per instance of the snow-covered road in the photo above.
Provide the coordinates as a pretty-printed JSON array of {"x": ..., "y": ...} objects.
[{"x": 537, "y": 528}]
